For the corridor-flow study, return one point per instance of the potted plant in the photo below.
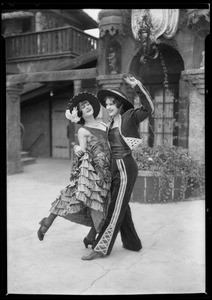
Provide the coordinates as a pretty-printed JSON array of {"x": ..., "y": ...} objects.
[{"x": 167, "y": 174}]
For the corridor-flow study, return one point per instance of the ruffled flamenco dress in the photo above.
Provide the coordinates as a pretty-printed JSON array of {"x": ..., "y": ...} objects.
[{"x": 86, "y": 199}]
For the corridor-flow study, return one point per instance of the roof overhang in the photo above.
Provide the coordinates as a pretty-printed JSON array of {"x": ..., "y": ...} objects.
[
  {"x": 17, "y": 15},
  {"x": 52, "y": 76},
  {"x": 77, "y": 15},
  {"x": 81, "y": 19}
]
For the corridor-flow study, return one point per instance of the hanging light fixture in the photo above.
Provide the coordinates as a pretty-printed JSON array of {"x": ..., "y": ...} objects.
[{"x": 51, "y": 93}]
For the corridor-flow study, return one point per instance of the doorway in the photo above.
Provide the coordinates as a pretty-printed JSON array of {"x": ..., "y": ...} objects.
[{"x": 60, "y": 129}]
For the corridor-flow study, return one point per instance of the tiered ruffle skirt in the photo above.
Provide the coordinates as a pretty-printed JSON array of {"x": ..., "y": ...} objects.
[{"x": 87, "y": 190}]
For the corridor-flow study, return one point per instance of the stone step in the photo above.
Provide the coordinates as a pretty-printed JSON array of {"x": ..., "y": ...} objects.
[
  {"x": 24, "y": 154},
  {"x": 28, "y": 160}
]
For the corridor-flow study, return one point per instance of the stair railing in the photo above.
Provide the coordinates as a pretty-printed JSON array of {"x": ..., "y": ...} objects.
[
  {"x": 33, "y": 144},
  {"x": 22, "y": 134}
]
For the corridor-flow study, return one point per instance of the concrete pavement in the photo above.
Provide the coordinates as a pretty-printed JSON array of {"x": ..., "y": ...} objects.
[{"x": 172, "y": 260}]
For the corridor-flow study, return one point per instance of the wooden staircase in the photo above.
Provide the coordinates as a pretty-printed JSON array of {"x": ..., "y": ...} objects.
[{"x": 26, "y": 160}]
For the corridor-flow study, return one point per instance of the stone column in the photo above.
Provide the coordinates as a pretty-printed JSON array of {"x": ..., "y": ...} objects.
[
  {"x": 183, "y": 119},
  {"x": 77, "y": 86},
  {"x": 14, "y": 164},
  {"x": 195, "y": 80},
  {"x": 38, "y": 21}
]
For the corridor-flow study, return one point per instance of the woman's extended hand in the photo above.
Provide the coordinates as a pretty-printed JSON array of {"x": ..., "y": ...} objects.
[
  {"x": 132, "y": 81},
  {"x": 78, "y": 150}
]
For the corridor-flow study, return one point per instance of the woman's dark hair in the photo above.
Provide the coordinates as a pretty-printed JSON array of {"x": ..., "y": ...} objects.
[
  {"x": 82, "y": 121},
  {"x": 79, "y": 110},
  {"x": 79, "y": 113},
  {"x": 116, "y": 101}
]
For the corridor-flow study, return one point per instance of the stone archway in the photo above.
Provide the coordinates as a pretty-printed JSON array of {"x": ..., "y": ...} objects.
[
  {"x": 151, "y": 70},
  {"x": 161, "y": 76}
]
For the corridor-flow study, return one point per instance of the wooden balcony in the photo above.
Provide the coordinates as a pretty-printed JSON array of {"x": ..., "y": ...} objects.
[{"x": 60, "y": 41}]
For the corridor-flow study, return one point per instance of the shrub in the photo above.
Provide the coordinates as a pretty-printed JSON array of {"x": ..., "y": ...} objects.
[{"x": 167, "y": 162}]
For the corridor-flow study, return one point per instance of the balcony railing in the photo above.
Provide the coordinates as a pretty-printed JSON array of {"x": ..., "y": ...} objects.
[{"x": 64, "y": 40}]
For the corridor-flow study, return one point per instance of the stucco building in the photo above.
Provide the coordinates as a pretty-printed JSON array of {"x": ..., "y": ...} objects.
[{"x": 51, "y": 58}]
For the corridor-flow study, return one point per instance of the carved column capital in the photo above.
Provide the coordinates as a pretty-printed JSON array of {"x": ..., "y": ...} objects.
[
  {"x": 196, "y": 77},
  {"x": 110, "y": 81},
  {"x": 14, "y": 90},
  {"x": 110, "y": 21},
  {"x": 14, "y": 87}
]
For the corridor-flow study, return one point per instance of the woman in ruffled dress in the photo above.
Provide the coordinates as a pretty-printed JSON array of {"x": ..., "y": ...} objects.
[
  {"x": 85, "y": 200},
  {"x": 123, "y": 136}
]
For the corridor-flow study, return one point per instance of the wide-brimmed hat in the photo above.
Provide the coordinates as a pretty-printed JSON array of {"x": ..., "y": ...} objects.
[
  {"x": 101, "y": 94},
  {"x": 84, "y": 96}
]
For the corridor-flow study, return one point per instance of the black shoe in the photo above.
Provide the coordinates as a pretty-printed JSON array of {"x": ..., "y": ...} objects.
[
  {"x": 87, "y": 242},
  {"x": 43, "y": 229}
]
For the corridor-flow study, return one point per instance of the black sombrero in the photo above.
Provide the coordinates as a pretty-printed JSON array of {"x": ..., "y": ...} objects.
[
  {"x": 101, "y": 94},
  {"x": 83, "y": 96}
]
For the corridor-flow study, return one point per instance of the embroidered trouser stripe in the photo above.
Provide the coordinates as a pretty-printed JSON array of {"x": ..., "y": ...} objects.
[{"x": 106, "y": 238}]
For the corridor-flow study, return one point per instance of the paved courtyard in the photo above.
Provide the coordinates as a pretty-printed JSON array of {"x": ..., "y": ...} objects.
[{"x": 172, "y": 260}]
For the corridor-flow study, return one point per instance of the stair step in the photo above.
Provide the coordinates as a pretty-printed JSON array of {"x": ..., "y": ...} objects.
[
  {"x": 28, "y": 160},
  {"x": 24, "y": 154}
]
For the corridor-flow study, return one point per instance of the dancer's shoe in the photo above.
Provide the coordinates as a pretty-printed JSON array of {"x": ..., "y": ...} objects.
[
  {"x": 43, "y": 229},
  {"x": 87, "y": 242},
  {"x": 92, "y": 255}
]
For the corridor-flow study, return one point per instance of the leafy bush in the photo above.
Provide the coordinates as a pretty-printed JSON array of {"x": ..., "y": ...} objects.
[{"x": 169, "y": 162}]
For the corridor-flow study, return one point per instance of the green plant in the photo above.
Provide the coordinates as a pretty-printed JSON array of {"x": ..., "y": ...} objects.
[{"x": 168, "y": 162}]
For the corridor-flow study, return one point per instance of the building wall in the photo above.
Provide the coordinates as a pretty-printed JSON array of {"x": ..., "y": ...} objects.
[
  {"x": 35, "y": 118},
  {"x": 190, "y": 48},
  {"x": 184, "y": 51},
  {"x": 46, "y": 116},
  {"x": 196, "y": 143},
  {"x": 35, "y": 115}
]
